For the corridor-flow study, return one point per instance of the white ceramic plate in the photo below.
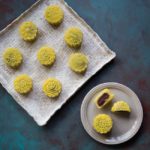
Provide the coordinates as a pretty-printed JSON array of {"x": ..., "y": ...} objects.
[{"x": 125, "y": 125}]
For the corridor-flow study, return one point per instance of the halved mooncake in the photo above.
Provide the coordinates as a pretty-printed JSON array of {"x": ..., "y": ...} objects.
[
  {"x": 12, "y": 57},
  {"x": 102, "y": 123},
  {"x": 120, "y": 106},
  {"x": 103, "y": 98},
  {"x": 23, "y": 84},
  {"x": 28, "y": 31},
  {"x": 73, "y": 37}
]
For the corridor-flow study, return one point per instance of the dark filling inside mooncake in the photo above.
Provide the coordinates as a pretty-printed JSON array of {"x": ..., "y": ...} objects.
[{"x": 102, "y": 99}]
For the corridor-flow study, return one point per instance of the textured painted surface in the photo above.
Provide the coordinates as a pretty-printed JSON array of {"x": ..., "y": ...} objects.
[{"x": 125, "y": 26}]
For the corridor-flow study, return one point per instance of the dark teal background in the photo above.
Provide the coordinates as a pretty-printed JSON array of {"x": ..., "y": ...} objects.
[{"x": 125, "y": 26}]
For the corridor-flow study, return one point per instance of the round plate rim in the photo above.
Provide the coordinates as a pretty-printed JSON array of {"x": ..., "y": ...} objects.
[{"x": 112, "y": 84}]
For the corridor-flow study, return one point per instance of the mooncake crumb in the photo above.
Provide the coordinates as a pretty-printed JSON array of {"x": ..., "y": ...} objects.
[
  {"x": 78, "y": 62},
  {"x": 120, "y": 106},
  {"x": 46, "y": 56},
  {"x": 102, "y": 123},
  {"x": 23, "y": 84},
  {"x": 12, "y": 57},
  {"x": 103, "y": 98},
  {"x": 54, "y": 15},
  {"x": 28, "y": 31},
  {"x": 52, "y": 87},
  {"x": 73, "y": 37}
]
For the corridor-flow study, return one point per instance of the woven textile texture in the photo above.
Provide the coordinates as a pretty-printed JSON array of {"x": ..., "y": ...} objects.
[{"x": 40, "y": 107}]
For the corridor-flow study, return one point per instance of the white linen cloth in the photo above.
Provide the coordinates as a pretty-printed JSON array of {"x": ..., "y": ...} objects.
[{"x": 39, "y": 106}]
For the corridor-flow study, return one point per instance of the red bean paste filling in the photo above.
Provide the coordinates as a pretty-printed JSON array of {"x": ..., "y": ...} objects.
[{"x": 102, "y": 99}]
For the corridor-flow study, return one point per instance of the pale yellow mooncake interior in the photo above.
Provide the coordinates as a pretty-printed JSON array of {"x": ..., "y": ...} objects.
[{"x": 103, "y": 98}]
